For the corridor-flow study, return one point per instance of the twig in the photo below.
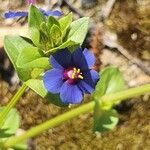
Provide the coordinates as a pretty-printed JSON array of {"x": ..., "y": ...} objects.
[
  {"x": 106, "y": 9},
  {"x": 110, "y": 40},
  {"x": 72, "y": 8}
]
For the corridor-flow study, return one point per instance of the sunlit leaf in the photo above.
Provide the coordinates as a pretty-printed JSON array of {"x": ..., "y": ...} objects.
[
  {"x": 35, "y": 17},
  {"x": 78, "y": 30},
  {"x": 12, "y": 121},
  {"x": 111, "y": 81},
  {"x": 13, "y": 47}
]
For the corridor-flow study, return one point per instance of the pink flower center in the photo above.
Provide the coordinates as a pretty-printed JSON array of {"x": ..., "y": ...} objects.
[{"x": 72, "y": 75}]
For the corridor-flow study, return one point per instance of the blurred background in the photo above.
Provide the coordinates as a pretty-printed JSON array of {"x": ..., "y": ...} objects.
[{"x": 119, "y": 35}]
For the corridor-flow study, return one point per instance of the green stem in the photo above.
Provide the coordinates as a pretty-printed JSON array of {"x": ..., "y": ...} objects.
[
  {"x": 74, "y": 113},
  {"x": 11, "y": 104},
  {"x": 108, "y": 101}
]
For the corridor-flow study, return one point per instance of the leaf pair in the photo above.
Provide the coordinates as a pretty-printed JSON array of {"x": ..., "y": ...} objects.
[{"x": 111, "y": 81}]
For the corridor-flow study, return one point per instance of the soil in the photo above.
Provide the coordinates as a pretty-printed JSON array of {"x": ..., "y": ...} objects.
[{"x": 128, "y": 20}]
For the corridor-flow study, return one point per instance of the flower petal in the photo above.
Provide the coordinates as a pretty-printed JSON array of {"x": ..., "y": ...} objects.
[
  {"x": 95, "y": 76},
  {"x": 85, "y": 87},
  {"x": 90, "y": 78},
  {"x": 53, "y": 13},
  {"x": 79, "y": 59},
  {"x": 50, "y": 13},
  {"x": 54, "y": 63},
  {"x": 13, "y": 14},
  {"x": 70, "y": 94},
  {"x": 53, "y": 80},
  {"x": 61, "y": 59},
  {"x": 89, "y": 56}
]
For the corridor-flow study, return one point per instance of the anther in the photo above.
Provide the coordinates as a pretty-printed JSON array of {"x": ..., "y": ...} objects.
[{"x": 79, "y": 76}]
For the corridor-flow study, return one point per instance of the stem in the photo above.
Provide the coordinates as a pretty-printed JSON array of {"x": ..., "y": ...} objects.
[
  {"x": 11, "y": 104},
  {"x": 76, "y": 112},
  {"x": 49, "y": 124},
  {"x": 108, "y": 101}
]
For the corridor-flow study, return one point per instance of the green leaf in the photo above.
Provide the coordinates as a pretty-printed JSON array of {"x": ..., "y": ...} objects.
[
  {"x": 111, "y": 81},
  {"x": 10, "y": 128},
  {"x": 3, "y": 133},
  {"x": 65, "y": 21},
  {"x": 55, "y": 32},
  {"x": 104, "y": 120},
  {"x": 13, "y": 46},
  {"x": 41, "y": 63},
  {"x": 78, "y": 30},
  {"x": 67, "y": 44},
  {"x": 12, "y": 121},
  {"x": 27, "y": 55},
  {"x": 38, "y": 86},
  {"x": 35, "y": 36},
  {"x": 35, "y": 17},
  {"x": 65, "y": 24},
  {"x": 36, "y": 72},
  {"x": 52, "y": 21},
  {"x": 44, "y": 28},
  {"x": 30, "y": 58}
]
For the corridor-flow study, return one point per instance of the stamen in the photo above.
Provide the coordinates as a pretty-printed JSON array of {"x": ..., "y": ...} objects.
[
  {"x": 73, "y": 75},
  {"x": 78, "y": 71},
  {"x": 74, "y": 69},
  {"x": 80, "y": 77}
]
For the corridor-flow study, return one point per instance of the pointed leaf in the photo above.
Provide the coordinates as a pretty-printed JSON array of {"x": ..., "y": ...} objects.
[
  {"x": 67, "y": 44},
  {"x": 55, "y": 32},
  {"x": 35, "y": 17},
  {"x": 35, "y": 35},
  {"x": 52, "y": 21},
  {"x": 27, "y": 55},
  {"x": 41, "y": 63},
  {"x": 13, "y": 46},
  {"x": 78, "y": 30},
  {"x": 65, "y": 22}
]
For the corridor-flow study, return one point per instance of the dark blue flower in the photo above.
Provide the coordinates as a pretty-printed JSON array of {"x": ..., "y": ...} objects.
[
  {"x": 71, "y": 75},
  {"x": 19, "y": 14}
]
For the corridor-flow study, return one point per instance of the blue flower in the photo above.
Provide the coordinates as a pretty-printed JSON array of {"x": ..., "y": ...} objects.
[
  {"x": 19, "y": 14},
  {"x": 71, "y": 75}
]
